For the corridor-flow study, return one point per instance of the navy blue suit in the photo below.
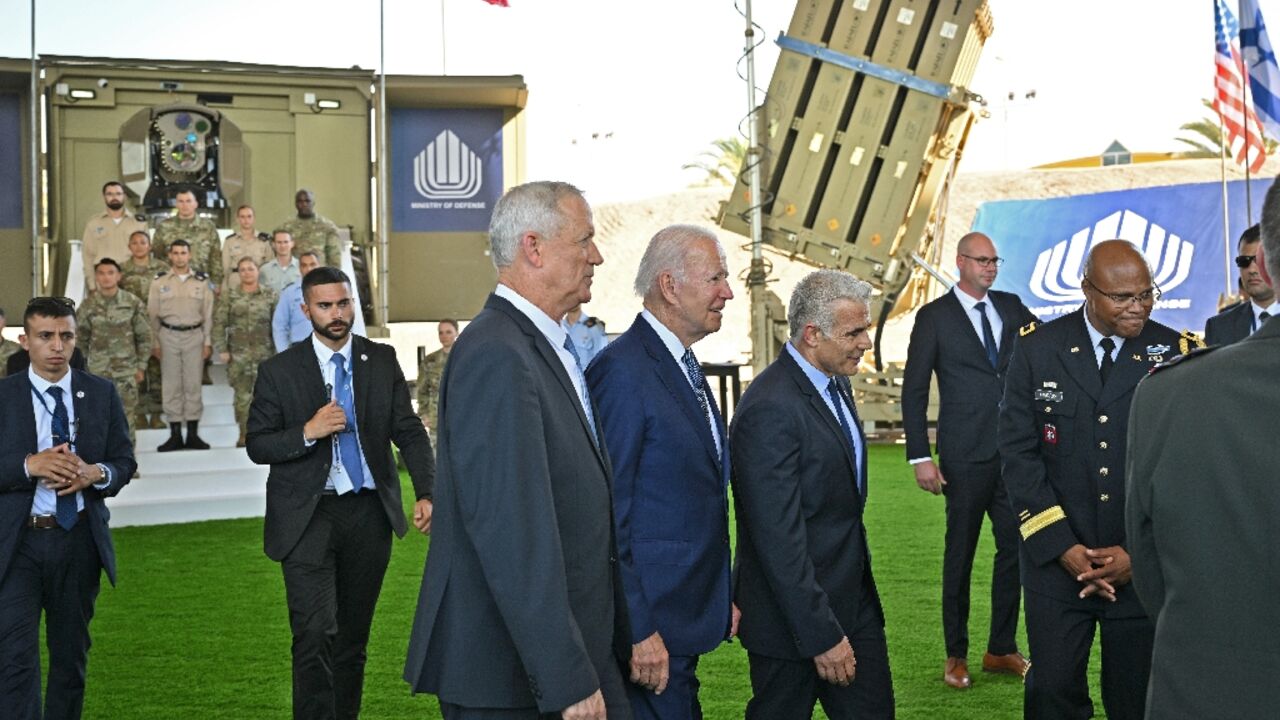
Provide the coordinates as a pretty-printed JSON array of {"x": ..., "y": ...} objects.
[
  {"x": 670, "y": 507},
  {"x": 54, "y": 570}
]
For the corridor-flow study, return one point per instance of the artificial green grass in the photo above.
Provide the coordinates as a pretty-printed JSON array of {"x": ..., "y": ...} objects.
[{"x": 198, "y": 628}]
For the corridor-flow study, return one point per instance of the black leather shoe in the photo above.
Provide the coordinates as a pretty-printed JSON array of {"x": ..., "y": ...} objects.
[
  {"x": 173, "y": 443},
  {"x": 195, "y": 443}
]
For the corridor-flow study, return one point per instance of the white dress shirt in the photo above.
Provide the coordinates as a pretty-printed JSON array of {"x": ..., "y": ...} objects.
[
  {"x": 673, "y": 345},
  {"x": 45, "y": 501},
  {"x": 555, "y": 334},
  {"x": 820, "y": 382},
  {"x": 968, "y": 302},
  {"x": 340, "y": 478},
  {"x": 1256, "y": 322}
]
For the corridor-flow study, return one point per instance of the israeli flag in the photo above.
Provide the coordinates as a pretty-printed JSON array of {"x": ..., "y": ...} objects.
[{"x": 1260, "y": 63}]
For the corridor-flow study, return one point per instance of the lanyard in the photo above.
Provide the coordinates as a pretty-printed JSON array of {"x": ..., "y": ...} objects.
[{"x": 75, "y": 424}]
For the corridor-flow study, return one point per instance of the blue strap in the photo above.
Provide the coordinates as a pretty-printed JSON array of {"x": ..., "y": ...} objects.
[{"x": 866, "y": 67}]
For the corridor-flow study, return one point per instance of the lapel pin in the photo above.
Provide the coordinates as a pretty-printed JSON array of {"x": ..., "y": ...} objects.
[
  {"x": 80, "y": 394},
  {"x": 364, "y": 358},
  {"x": 1137, "y": 357},
  {"x": 1075, "y": 349}
]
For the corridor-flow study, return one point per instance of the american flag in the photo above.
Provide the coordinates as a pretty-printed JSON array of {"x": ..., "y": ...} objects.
[{"x": 1244, "y": 132}]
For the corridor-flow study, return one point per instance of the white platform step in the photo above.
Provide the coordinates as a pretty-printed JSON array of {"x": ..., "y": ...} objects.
[{"x": 194, "y": 485}]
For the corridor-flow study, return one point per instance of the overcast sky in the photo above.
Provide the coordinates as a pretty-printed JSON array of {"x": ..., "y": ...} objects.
[{"x": 661, "y": 75}]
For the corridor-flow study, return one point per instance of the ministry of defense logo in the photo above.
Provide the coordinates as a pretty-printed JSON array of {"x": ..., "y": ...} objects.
[
  {"x": 1058, "y": 270},
  {"x": 447, "y": 169}
]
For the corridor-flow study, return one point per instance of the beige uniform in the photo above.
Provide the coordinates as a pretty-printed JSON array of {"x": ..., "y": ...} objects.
[
  {"x": 104, "y": 237},
  {"x": 181, "y": 312},
  {"x": 257, "y": 248}
]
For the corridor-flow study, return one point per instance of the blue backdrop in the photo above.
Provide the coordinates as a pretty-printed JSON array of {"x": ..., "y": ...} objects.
[
  {"x": 1178, "y": 228},
  {"x": 446, "y": 168},
  {"x": 11, "y": 192}
]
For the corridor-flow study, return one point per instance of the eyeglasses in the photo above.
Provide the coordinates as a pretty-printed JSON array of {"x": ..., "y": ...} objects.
[
  {"x": 985, "y": 261},
  {"x": 1244, "y": 261},
  {"x": 1144, "y": 298}
]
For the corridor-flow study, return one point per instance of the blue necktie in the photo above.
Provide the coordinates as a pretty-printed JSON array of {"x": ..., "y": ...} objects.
[
  {"x": 348, "y": 446},
  {"x": 694, "y": 369},
  {"x": 66, "y": 512},
  {"x": 584, "y": 398},
  {"x": 833, "y": 389},
  {"x": 988, "y": 337}
]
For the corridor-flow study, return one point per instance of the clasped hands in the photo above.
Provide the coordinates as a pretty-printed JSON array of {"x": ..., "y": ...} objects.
[
  {"x": 1100, "y": 570},
  {"x": 61, "y": 470}
]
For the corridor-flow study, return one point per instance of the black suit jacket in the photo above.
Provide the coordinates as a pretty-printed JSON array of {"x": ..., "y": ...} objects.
[
  {"x": 943, "y": 342},
  {"x": 1202, "y": 512},
  {"x": 521, "y": 602},
  {"x": 1062, "y": 448},
  {"x": 289, "y": 390},
  {"x": 1229, "y": 326},
  {"x": 802, "y": 568},
  {"x": 102, "y": 436}
]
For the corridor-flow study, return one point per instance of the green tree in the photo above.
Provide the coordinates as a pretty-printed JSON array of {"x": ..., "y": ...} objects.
[{"x": 722, "y": 162}]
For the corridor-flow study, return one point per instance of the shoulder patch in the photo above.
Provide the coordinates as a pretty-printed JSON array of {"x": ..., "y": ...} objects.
[
  {"x": 264, "y": 237},
  {"x": 591, "y": 321},
  {"x": 1179, "y": 359},
  {"x": 161, "y": 274},
  {"x": 201, "y": 275},
  {"x": 140, "y": 217},
  {"x": 1188, "y": 341},
  {"x": 1027, "y": 329}
]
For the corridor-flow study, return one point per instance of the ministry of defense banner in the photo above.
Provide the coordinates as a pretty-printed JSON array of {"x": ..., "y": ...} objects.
[
  {"x": 1178, "y": 228},
  {"x": 446, "y": 168}
]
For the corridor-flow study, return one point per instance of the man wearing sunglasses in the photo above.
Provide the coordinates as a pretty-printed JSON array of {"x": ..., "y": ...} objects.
[
  {"x": 1240, "y": 321},
  {"x": 1062, "y": 438}
]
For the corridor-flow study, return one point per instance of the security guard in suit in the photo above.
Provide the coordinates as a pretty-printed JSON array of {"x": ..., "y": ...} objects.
[{"x": 1062, "y": 437}]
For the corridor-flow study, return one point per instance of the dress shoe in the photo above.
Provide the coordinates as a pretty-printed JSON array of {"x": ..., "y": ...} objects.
[
  {"x": 1012, "y": 664},
  {"x": 173, "y": 443},
  {"x": 195, "y": 443},
  {"x": 956, "y": 673}
]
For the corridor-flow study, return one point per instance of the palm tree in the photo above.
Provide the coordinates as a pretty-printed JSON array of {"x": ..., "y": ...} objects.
[
  {"x": 1209, "y": 142},
  {"x": 722, "y": 163}
]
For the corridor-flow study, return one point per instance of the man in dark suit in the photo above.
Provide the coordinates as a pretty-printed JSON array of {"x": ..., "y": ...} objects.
[
  {"x": 1201, "y": 518},
  {"x": 64, "y": 446},
  {"x": 1243, "y": 319},
  {"x": 521, "y": 611},
  {"x": 670, "y": 458},
  {"x": 810, "y": 610},
  {"x": 324, "y": 415},
  {"x": 966, "y": 338},
  {"x": 1062, "y": 440}
]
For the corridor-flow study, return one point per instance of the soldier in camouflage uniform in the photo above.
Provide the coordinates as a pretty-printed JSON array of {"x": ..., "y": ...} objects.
[
  {"x": 313, "y": 232},
  {"x": 430, "y": 371},
  {"x": 139, "y": 270},
  {"x": 206, "y": 247},
  {"x": 242, "y": 335},
  {"x": 115, "y": 334},
  {"x": 7, "y": 347}
]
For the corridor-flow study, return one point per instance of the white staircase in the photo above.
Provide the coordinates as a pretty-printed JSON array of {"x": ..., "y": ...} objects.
[{"x": 191, "y": 485}]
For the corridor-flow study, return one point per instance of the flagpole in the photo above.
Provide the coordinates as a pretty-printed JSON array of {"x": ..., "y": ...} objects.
[
  {"x": 1226, "y": 220},
  {"x": 1248, "y": 101},
  {"x": 444, "y": 67}
]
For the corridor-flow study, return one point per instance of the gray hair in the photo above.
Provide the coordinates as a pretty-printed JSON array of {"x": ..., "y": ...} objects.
[
  {"x": 532, "y": 207},
  {"x": 667, "y": 252},
  {"x": 814, "y": 296},
  {"x": 1271, "y": 231}
]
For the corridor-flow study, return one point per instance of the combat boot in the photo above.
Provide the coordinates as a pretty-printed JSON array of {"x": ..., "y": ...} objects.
[
  {"x": 193, "y": 436},
  {"x": 157, "y": 422},
  {"x": 140, "y": 420},
  {"x": 175, "y": 439}
]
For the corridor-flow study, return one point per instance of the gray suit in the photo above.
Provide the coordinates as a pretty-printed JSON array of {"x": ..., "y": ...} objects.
[
  {"x": 521, "y": 606},
  {"x": 1200, "y": 522}
]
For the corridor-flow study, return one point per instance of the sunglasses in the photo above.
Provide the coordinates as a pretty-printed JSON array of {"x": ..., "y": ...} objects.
[{"x": 1244, "y": 261}]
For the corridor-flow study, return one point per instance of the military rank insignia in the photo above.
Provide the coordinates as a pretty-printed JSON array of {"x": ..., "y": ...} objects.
[
  {"x": 1027, "y": 329},
  {"x": 1051, "y": 433},
  {"x": 1156, "y": 353},
  {"x": 1188, "y": 340}
]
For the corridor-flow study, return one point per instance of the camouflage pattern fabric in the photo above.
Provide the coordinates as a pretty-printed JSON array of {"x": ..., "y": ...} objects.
[
  {"x": 242, "y": 327},
  {"x": 316, "y": 233},
  {"x": 206, "y": 246},
  {"x": 115, "y": 336}
]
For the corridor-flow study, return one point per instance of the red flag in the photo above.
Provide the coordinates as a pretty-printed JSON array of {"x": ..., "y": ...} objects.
[{"x": 499, "y": 3}]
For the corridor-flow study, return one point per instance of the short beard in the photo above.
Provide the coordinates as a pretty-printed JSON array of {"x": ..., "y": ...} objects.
[
  {"x": 115, "y": 204},
  {"x": 324, "y": 331}
]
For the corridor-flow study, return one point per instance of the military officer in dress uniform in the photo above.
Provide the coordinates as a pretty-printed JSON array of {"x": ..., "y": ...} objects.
[
  {"x": 245, "y": 242},
  {"x": 181, "y": 308},
  {"x": 431, "y": 370},
  {"x": 1061, "y": 434},
  {"x": 7, "y": 347},
  {"x": 312, "y": 231},
  {"x": 115, "y": 334},
  {"x": 107, "y": 233},
  {"x": 242, "y": 334},
  {"x": 137, "y": 273},
  {"x": 200, "y": 234}
]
